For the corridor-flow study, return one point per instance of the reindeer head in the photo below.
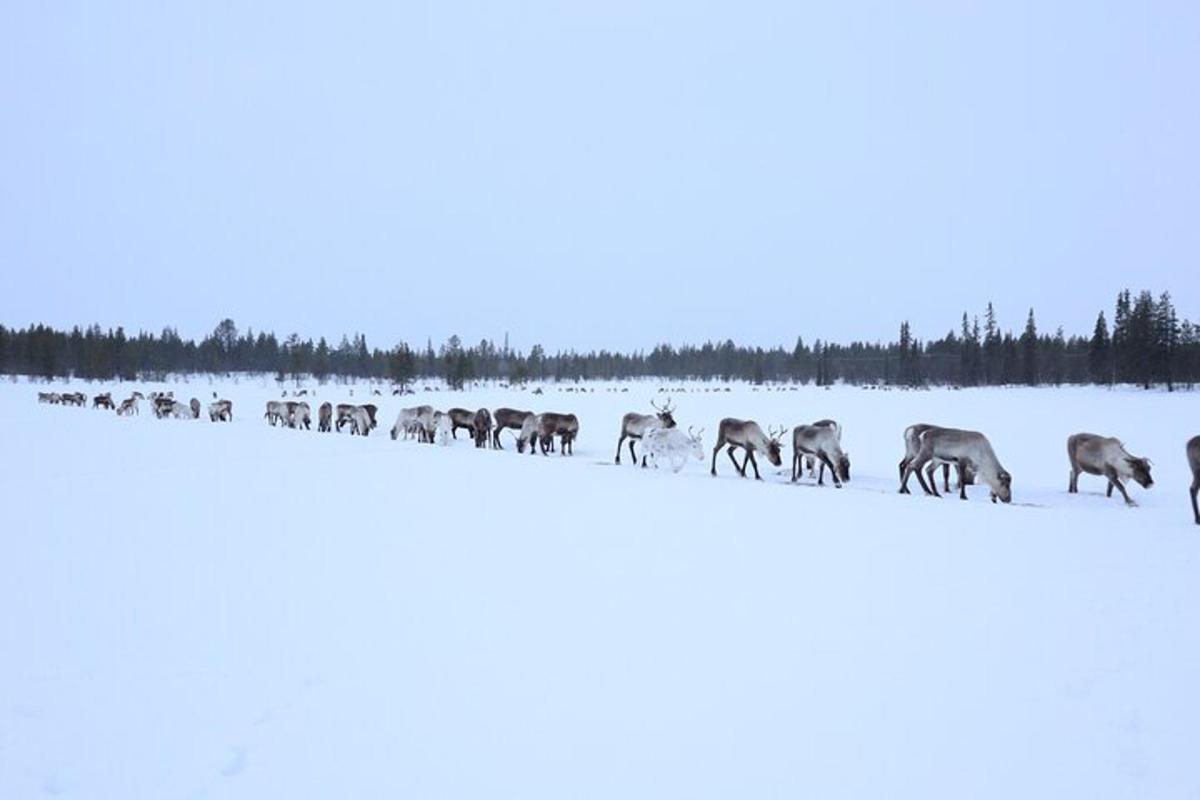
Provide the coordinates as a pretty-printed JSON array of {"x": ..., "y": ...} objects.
[
  {"x": 1003, "y": 487},
  {"x": 664, "y": 413},
  {"x": 774, "y": 448},
  {"x": 1141, "y": 471}
]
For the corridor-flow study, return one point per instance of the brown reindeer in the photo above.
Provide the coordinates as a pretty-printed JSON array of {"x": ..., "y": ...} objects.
[
  {"x": 747, "y": 435},
  {"x": 912, "y": 445},
  {"x": 103, "y": 401},
  {"x": 507, "y": 418},
  {"x": 220, "y": 411},
  {"x": 961, "y": 447},
  {"x": 325, "y": 417},
  {"x": 483, "y": 428},
  {"x": 565, "y": 426},
  {"x": 461, "y": 418},
  {"x": 634, "y": 426},
  {"x": 1104, "y": 455}
]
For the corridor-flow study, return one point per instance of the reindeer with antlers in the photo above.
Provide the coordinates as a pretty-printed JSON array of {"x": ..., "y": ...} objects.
[
  {"x": 747, "y": 435},
  {"x": 673, "y": 446},
  {"x": 635, "y": 426}
]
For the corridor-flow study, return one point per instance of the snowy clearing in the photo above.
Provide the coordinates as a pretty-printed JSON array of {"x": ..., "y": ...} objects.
[{"x": 239, "y": 611}]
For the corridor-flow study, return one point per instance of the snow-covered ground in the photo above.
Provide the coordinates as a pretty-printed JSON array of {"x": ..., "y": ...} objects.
[{"x": 238, "y": 611}]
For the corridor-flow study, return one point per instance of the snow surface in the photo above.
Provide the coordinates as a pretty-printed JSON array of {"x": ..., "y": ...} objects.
[{"x": 200, "y": 610}]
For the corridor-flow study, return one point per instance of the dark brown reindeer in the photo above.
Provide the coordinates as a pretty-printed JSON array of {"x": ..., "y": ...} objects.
[
  {"x": 345, "y": 415},
  {"x": 325, "y": 417},
  {"x": 962, "y": 448},
  {"x": 634, "y": 426},
  {"x": 103, "y": 401},
  {"x": 564, "y": 426},
  {"x": 461, "y": 418},
  {"x": 508, "y": 418},
  {"x": 822, "y": 441},
  {"x": 912, "y": 445},
  {"x": 483, "y": 428},
  {"x": 1193, "y": 457},
  {"x": 1105, "y": 455},
  {"x": 371, "y": 410},
  {"x": 747, "y": 435}
]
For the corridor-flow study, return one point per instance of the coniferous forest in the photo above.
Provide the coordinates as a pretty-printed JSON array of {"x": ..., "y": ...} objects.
[{"x": 1143, "y": 342}]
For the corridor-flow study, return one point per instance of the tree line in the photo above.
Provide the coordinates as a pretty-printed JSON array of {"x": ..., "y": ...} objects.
[{"x": 1146, "y": 345}]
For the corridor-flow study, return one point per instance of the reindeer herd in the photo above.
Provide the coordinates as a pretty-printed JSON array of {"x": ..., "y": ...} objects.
[{"x": 816, "y": 446}]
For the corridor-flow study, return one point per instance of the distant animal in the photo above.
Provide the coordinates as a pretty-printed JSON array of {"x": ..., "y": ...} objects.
[
  {"x": 345, "y": 415},
  {"x": 747, "y": 435},
  {"x": 410, "y": 422},
  {"x": 103, "y": 401},
  {"x": 1105, "y": 455},
  {"x": 47, "y": 397},
  {"x": 507, "y": 418},
  {"x": 672, "y": 446},
  {"x": 325, "y": 417},
  {"x": 634, "y": 426},
  {"x": 180, "y": 410},
  {"x": 1193, "y": 457},
  {"x": 163, "y": 405},
  {"x": 360, "y": 421},
  {"x": 73, "y": 399},
  {"x": 194, "y": 405},
  {"x": 371, "y": 410},
  {"x": 441, "y": 428},
  {"x": 483, "y": 428},
  {"x": 220, "y": 411},
  {"x": 912, "y": 445},
  {"x": 961, "y": 447},
  {"x": 129, "y": 405},
  {"x": 461, "y": 418},
  {"x": 823, "y": 441}
]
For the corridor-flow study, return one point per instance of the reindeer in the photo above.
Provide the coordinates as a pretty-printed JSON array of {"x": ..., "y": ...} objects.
[
  {"x": 220, "y": 411},
  {"x": 1100, "y": 455},
  {"x": 962, "y": 448},
  {"x": 821, "y": 440},
  {"x": 409, "y": 423},
  {"x": 277, "y": 412},
  {"x": 1193, "y": 457},
  {"x": 912, "y": 445},
  {"x": 634, "y": 426},
  {"x": 180, "y": 410},
  {"x": 345, "y": 415},
  {"x": 461, "y": 418},
  {"x": 529, "y": 433},
  {"x": 325, "y": 417},
  {"x": 565, "y": 426},
  {"x": 163, "y": 405},
  {"x": 371, "y": 410},
  {"x": 194, "y": 405},
  {"x": 673, "y": 445},
  {"x": 507, "y": 418},
  {"x": 360, "y": 421},
  {"x": 750, "y": 437},
  {"x": 129, "y": 405},
  {"x": 440, "y": 429},
  {"x": 299, "y": 415},
  {"x": 73, "y": 399},
  {"x": 483, "y": 428},
  {"x": 103, "y": 401}
]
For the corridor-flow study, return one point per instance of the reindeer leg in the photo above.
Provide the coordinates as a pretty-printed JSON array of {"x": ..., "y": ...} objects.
[
  {"x": 716, "y": 449},
  {"x": 741, "y": 468},
  {"x": 1115, "y": 481},
  {"x": 1195, "y": 508},
  {"x": 916, "y": 466},
  {"x": 825, "y": 462},
  {"x": 632, "y": 452},
  {"x": 753, "y": 462},
  {"x": 620, "y": 442},
  {"x": 903, "y": 466},
  {"x": 795, "y": 464},
  {"x": 945, "y": 478}
]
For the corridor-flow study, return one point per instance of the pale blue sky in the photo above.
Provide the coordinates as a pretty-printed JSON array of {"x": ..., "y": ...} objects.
[{"x": 595, "y": 174}]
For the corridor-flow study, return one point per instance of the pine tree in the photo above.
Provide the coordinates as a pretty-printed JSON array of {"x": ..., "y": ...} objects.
[
  {"x": 1099, "y": 353},
  {"x": 1029, "y": 352},
  {"x": 992, "y": 351}
]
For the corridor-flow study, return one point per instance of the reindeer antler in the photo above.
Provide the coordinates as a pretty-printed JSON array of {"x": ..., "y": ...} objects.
[{"x": 656, "y": 406}]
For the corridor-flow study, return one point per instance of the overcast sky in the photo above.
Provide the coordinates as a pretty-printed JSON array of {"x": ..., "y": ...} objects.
[{"x": 605, "y": 174}]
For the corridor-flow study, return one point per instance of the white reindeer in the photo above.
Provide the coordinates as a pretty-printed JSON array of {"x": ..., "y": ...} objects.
[{"x": 672, "y": 445}]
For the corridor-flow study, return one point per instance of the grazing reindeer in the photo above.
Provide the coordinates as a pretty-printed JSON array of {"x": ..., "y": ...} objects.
[
  {"x": 194, "y": 405},
  {"x": 962, "y": 448},
  {"x": 635, "y": 426},
  {"x": 277, "y": 412},
  {"x": 821, "y": 440},
  {"x": 299, "y": 415},
  {"x": 483, "y": 427},
  {"x": 1193, "y": 457},
  {"x": 565, "y": 426},
  {"x": 529, "y": 433},
  {"x": 747, "y": 435},
  {"x": 180, "y": 410},
  {"x": 410, "y": 422},
  {"x": 507, "y": 418},
  {"x": 129, "y": 405},
  {"x": 371, "y": 410},
  {"x": 440, "y": 429},
  {"x": 220, "y": 411},
  {"x": 673, "y": 445},
  {"x": 360, "y": 421},
  {"x": 345, "y": 415},
  {"x": 912, "y": 445},
  {"x": 163, "y": 405},
  {"x": 325, "y": 417},
  {"x": 461, "y": 418},
  {"x": 1100, "y": 455},
  {"x": 103, "y": 401}
]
